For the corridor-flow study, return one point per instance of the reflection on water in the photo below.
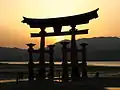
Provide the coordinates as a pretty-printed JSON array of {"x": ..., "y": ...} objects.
[
  {"x": 104, "y": 63},
  {"x": 3, "y": 81},
  {"x": 96, "y": 63},
  {"x": 113, "y": 88}
]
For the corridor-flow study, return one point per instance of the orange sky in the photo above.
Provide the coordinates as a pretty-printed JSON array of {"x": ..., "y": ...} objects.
[{"x": 13, "y": 33}]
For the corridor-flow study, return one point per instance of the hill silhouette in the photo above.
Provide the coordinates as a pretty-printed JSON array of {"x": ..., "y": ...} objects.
[
  {"x": 13, "y": 54},
  {"x": 98, "y": 49}
]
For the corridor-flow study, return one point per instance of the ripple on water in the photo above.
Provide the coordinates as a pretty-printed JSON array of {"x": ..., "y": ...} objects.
[{"x": 113, "y": 88}]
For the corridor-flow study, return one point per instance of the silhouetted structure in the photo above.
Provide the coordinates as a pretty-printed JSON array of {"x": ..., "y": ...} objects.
[
  {"x": 74, "y": 62},
  {"x": 65, "y": 75},
  {"x": 84, "y": 63},
  {"x": 96, "y": 74},
  {"x": 30, "y": 63},
  {"x": 51, "y": 58},
  {"x": 57, "y": 24}
]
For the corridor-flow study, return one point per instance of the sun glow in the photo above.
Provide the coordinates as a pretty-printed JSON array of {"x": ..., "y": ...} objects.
[
  {"x": 60, "y": 38},
  {"x": 56, "y": 8},
  {"x": 12, "y": 12}
]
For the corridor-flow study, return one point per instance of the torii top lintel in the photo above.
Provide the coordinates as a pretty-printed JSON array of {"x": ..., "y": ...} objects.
[{"x": 61, "y": 21}]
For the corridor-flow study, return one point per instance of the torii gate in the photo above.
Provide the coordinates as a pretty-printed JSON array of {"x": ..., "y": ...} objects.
[{"x": 57, "y": 24}]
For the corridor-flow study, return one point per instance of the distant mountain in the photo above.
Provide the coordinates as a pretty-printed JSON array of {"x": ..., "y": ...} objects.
[
  {"x": 99, "y": 48},
  {"x": 102, "y": 48},
  {"x": 13, "y": 54}
]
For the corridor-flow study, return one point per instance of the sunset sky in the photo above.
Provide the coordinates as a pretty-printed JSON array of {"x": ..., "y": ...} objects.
[{"x": 13, "y": 33}]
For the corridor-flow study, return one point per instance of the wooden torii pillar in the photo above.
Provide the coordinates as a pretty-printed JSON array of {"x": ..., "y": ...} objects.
[
  {"x": 65, "y": 75},
  {"x": 42, "y": 52},
  {"x": 30, "y": 63},
  {"x": 74, "y": 62},
  {"x": 51, "y": 59},
  {"x": 84, "y": 62}
]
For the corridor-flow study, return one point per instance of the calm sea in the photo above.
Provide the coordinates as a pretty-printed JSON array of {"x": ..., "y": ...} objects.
[{"x": 96, "y": 63}]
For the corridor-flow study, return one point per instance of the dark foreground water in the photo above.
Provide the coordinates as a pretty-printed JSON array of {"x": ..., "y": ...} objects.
[{"x": 98, "y": 63}]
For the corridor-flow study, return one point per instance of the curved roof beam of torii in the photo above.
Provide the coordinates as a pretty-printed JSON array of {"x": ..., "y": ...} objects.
[{"x": 57, "y": 23}]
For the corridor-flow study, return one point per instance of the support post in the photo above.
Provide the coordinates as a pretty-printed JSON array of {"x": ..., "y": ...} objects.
[
  {"x": 74, "y": 62},
  {"x": 51, "y": 58},
  {"x": 84, "y": 63},
  {"x": 65, "y": 76},
  {"x": 42, "y": 51},
  {"x": 30, "y": 63}
]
